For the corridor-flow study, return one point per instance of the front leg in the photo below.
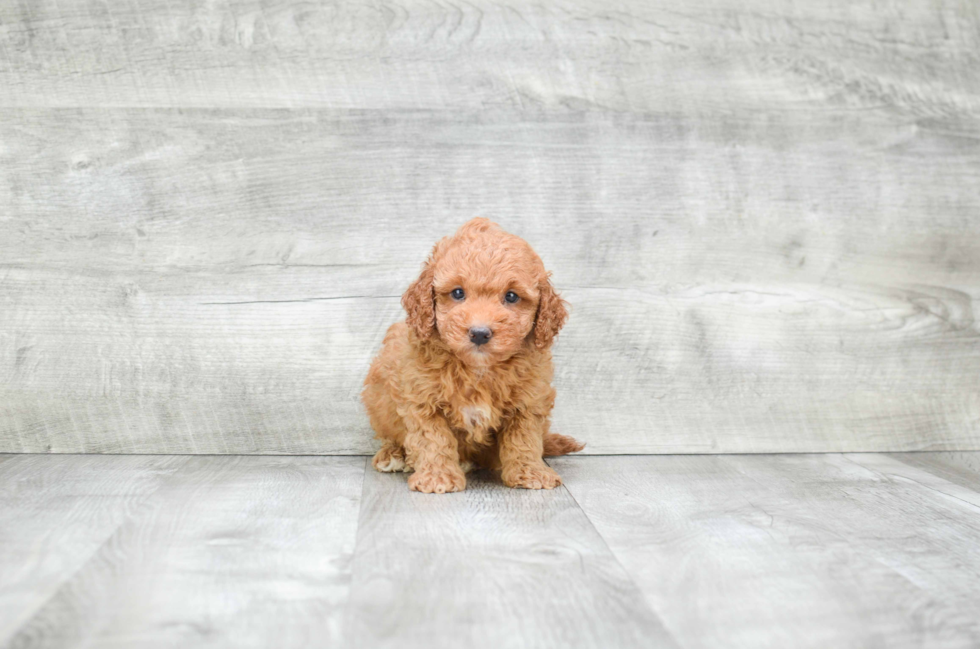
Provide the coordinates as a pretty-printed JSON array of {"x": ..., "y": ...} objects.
[
  {"x": 431, "y": 448},
  {"x": 521, "y": 448}
]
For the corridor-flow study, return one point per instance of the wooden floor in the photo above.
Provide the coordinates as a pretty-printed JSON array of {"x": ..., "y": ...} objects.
[{"x": 855, "y": 550}]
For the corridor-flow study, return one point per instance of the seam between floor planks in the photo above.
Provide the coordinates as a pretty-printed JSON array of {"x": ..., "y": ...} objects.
[
  {"x": 896, "y": 568},
  {"x": 488, "y": 567},
  {"x": 120, "y": 506},
  {"x": 605, "y": 542},
  {"x": 896, "y": 469},
  {"x": 557, "y": 517},
  {"x": 171, "y": 563},
  {"x": 956, "y": 467}
]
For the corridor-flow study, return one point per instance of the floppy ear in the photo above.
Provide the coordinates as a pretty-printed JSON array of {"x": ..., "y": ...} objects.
[
  {"x": 551, "y": 316},
  {"x": 418, "y": 302}
]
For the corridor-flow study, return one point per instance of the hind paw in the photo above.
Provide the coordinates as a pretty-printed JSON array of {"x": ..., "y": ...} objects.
[{"x": 390, "y": 459}]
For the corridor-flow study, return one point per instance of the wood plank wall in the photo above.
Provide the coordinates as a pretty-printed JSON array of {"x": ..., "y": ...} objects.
[{"x": 766, "y": 215}]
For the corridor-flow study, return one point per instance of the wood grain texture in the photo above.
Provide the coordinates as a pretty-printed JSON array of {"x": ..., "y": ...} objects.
[
  {"x": 55, "y": 513},
  {"x": 489, "y": 567},
  {"x": 201, "y": 282},
  {"x": 762, "y": 212},
  {"x": 918, "y": 56},
  {"x": 229, "y": 552},
  {"x": 856, "y": 550},
  {"x": 801, "y": 551},
  {"x": 893, "y": 468},
  {"x": 958, "y": 468}
]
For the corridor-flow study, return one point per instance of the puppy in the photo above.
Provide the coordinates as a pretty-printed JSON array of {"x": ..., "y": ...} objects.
[{"x": 465, "y": 380}]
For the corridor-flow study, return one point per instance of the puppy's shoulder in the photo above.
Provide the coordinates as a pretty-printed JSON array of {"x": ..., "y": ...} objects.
[
  {"x": 537, "y": 365},
  {"x": 397, "y": 332},
  {"x": 394, "y": 350}
]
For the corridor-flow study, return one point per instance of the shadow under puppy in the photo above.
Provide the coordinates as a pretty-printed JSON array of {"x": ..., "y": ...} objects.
[{"x": 465, "y": 380}]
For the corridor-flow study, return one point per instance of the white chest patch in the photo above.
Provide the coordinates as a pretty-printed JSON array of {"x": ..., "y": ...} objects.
[{"x": 476, "y": 417}]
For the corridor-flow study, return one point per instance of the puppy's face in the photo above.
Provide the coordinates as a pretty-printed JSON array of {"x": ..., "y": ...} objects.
[
  {"x": 485, "y": 294},
  {"x": 484, "y": 310}
]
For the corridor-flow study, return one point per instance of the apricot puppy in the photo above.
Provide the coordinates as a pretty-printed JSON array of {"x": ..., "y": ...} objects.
[{"x": 465, "y": 380}]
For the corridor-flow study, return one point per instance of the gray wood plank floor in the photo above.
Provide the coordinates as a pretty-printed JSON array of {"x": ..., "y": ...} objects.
[
  {"x": 229, "y": 551},
  {"x": 857, "y": 550},
  {"x": 792, "y": 550},
  {"x": 500, "y": 567}
]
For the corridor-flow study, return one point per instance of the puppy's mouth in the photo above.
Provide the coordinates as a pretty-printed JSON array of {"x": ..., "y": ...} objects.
[
  {"x": 480, "y": 351},
  {"x": 478, "y": 354}
]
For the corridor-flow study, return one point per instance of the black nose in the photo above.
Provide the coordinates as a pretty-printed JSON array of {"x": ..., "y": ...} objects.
[{"x": 480, "y": 335}]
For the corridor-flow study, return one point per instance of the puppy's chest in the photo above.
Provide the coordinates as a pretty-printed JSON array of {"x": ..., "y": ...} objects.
[
  {"x": 475, "y": 417},
  {"x": 478, "y": 407},
  {"x": 474, "y": 413}
]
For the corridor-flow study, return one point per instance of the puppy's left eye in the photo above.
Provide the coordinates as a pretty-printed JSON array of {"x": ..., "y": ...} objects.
[
  {"x": 512, "y": 297},
  {"x": 458, "y": 294}
]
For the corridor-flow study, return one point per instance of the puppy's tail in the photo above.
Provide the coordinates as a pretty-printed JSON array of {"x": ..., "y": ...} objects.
[{"x": 555, "y": 444}]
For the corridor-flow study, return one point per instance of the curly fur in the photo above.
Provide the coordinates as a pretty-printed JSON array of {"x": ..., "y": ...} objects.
[{"x": 441, "y": 404}]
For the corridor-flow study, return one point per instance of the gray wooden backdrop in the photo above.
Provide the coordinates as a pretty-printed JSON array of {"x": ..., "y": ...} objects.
[{"x": 766, "y": 215}]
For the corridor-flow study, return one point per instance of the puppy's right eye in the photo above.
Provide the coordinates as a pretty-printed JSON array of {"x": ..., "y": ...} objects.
[{"x": 458, "y": 294}]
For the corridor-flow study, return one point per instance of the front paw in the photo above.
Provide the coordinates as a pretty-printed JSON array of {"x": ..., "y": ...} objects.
[
  {"x": 437, "y": 482},
  {"x": 531, "y": 477}
]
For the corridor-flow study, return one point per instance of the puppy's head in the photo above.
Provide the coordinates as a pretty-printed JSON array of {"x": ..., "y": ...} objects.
[{"x": 485, "y": 294}]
